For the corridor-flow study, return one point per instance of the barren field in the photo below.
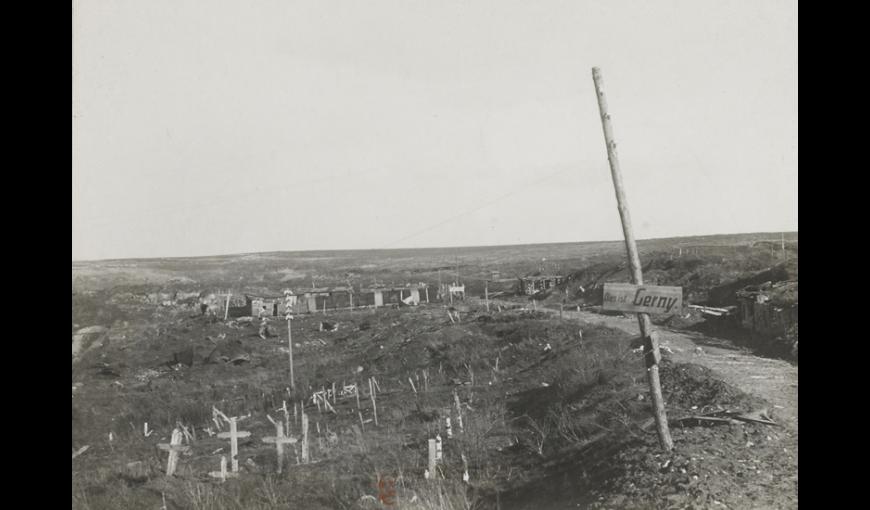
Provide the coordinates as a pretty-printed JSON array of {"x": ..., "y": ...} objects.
[{"x": 547, "y": 408}]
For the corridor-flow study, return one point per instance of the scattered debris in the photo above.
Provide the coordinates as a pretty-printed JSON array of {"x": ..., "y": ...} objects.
[
  {"x": 183, "y": 357},
  {"x": 80, "y": 451},
  {"x": 240, "y": 358},
  {"x": 106, "y": 370},
  {"x": 730, "y": 417}
]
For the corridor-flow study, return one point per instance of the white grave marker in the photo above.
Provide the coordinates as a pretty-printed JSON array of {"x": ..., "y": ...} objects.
[
  {"x": 304, "y": 438},
  {"x": 233, "y": 435},
  {"x": 279, "y": 440},
  {"x": 432, "y": 459},
  {"x": 223, "y": 474},
  {"x": 174, "y": 448}
]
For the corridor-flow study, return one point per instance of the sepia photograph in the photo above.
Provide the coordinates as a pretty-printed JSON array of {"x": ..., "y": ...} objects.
[{"x": 452, "y": 255}]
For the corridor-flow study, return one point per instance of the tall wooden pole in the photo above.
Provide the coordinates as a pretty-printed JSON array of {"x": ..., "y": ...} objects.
[
  {"x": 486, "y": 294},
  {"x": 651, "y": 346}
]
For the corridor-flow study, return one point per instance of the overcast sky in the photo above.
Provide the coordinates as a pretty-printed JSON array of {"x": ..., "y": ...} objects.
[{"x": 211, "y": 127}]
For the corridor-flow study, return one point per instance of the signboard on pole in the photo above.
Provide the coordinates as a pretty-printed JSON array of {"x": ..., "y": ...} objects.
[{"x": 652, "y": 299}]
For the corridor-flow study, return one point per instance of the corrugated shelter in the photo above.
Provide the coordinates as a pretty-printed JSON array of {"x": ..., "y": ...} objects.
[
  {"x": 769, "y": 308},
  {"x": 365, "y": 297},
  {"x": 217, "y": 304},
  {"x": 272, "y": 304},
  {"x": 533, "y": 284},
  {"x": 341, "y": 297}
]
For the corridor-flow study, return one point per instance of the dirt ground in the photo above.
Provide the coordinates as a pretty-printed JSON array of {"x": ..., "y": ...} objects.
[
  {"x": 560, "y": 423},
  {"x": 550, "y": 418},
  {"x": 773, "y": 380}
]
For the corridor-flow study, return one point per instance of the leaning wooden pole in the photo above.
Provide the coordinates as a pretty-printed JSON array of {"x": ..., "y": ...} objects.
[{"x": 651, "y": 346}]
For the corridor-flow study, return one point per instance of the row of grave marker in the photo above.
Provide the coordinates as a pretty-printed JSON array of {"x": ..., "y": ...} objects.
[{"x": 175, "y": 446}]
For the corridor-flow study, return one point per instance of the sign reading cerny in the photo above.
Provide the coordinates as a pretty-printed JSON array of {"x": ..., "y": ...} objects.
[{"x": 627, "y": 297}]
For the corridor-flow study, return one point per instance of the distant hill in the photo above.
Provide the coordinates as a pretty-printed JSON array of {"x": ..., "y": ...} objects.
[{"x": 276, "y": 270}]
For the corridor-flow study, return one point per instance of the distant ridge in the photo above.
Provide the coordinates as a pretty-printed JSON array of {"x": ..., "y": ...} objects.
[{"x": 729, "y": 238}]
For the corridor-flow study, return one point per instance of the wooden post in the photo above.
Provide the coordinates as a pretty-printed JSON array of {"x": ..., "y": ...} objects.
[
  {"x": 427, "y": 293},
  {"x": 486, "y": 294},
  {"x": 304, "y": 438},
  {"x": 290, "y": 349},
  {"x": 458, "y": 410},
  {"x": 374, "y": 404},
  {"x": 227, "y": 310},
  {"x": 356, "y": 393},
  {"x": 286, "y": 415},
  {"x": 650, "y": 341},
  {"x": 432, "y": 458}
]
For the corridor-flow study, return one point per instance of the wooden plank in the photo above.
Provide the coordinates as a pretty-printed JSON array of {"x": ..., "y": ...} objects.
[
  {"x": 238, "y": 434},
  {"x": 281, "y": 440},
  {"x": 653, "y": 299}
]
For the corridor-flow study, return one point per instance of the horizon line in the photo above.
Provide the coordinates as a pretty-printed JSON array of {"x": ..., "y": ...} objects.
[{"x": 422, "y": 248}]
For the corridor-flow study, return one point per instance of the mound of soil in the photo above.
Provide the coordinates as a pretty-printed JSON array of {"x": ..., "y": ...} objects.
[{"x": 685, "y": 386}]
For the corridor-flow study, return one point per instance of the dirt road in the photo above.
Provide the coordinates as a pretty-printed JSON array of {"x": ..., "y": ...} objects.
[{"x": 775, "y": 381}]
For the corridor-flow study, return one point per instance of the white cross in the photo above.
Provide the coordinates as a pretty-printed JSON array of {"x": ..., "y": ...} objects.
[
  {"x": 233, "y": 435},
  {"x": 280, "y": 440},
  {"x": 174, "y": 448}
]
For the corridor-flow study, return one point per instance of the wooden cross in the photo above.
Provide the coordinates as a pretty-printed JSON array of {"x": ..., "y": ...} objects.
[
  {"x": 222, "y": 474},
  {"x": 233, "y": 435},
  {"x": 174, "y": 448},
  {"x": 280, "y": 440}
]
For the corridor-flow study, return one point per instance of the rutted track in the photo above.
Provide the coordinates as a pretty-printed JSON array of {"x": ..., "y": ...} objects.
[{"x": 775, "y": 381}]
